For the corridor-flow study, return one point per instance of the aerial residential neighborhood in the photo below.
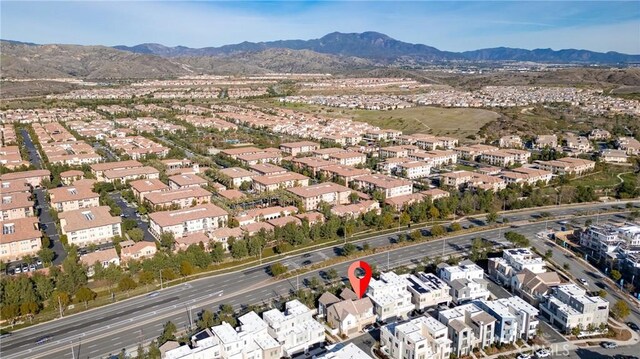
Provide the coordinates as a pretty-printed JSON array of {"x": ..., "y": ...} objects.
[{"x": 217, "y": 180}]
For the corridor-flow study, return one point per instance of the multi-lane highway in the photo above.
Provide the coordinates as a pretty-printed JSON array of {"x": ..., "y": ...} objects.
[{"x": 109, "y": 329}]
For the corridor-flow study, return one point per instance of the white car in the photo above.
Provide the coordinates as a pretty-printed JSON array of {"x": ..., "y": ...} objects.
[
  {"x": 523, "y": 356},
  {"x": 583, "y": 281},
  {"x": 543, "y": 353}
]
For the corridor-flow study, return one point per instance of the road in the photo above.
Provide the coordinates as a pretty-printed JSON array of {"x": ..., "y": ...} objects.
[
  {"x": 109, "y": 329},
  {"x": 34, "y": 156}
]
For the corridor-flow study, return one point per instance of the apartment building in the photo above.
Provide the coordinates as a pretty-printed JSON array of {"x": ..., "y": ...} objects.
[
  {"x": 506, "y": 158},
  {"x": 178, "y": 198},
  {"x": 510, "y": 141},
  {"x": 397, "y": 151},
  {"x": 601, "y": 240},
  {"x": 569, "y": 306},
  {"x": 137, "y": 146},
  {"x": 420, "y": 338},
  {"x": 349, "y": 351},
  {"x": 577, "y": 144},
  {"x": 20, "y": 237},
  {"x": 466, "y": 281},
  {"x": 630, "y": 145},
  {"x": 16, "y": 205},
  {"x": 311, "y": 164},
  {"x": 15, "y": 186},
  {"x": 238, "y": 175},
  {"x": 10, "y": 157},
  {"x": 390, "y": 297},
  {"x": 301, "y": 147},
  {"x": 265, "y": 169},
  {"x": 348, "y": 158},
  {"x": 515, "y": 318},
  {"x": 545, "y": 141},
  {"x": 182, "y": 222},
  {"x": 269, "y": 155},
  {"x": 468, "y": 327},
  {"x": 614, "y": 156},
  {"x": 343, "y": 174},
  {"x": 186, "y": 180},
  {"x": 514, "y": 261},
  {"x": 474, "y": 152},
  {"x": 356, "y": 209},
  {"x": 140, "y": 188},
  {"x": 567, "y": 166},
  {"x": 427, "y": 290},
  {"x": 98, "y": 169},
  {"x": 89, "y": 225},
  {"x": 436, "y": 158},
  {"x": 33, "y": 178},
  {"x": 413, "y": 170},
  {"x": 526, "y": 175},
  {"x": 389, "y": 186},
  {"x": 279, "y": 181},
  {"x": 68, "y": 177},
  {"x": 328, "y": 192},
  {"x": 430, "y": 143},
  {"x": 73, "y": 197},
  {"x": 129, "y": 174},
  {"x": 250, "y": 340},
  {"x": 294, "y": 329}
]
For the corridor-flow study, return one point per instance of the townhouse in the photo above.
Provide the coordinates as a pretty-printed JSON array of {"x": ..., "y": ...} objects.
[
  {"x": 420, "y": 338},
  {"x": 33, "y": 178},
  {"x": 349, "y": 351},
  {"x": 389, "y": 186},
  {"x": 279, "y": 181},
  {"x": 390, "y": 297},
  {"x": 514, "y": 261},
  {"x": 413, "y": 170},
  {"x": 436, "y": 158},
  {"x": 75, "y": 153},
  {"x": 89, "y": 225},
  {"x": 178, "y": 198},
  {"x": 402, "y": 202},
  {"x": 545, "y": 141},
  {"x": 137, "y": 147},
  {"x": 140, "y": 188},
  {"x": 311, "y": 164},
  {"x": 264, "y": 214},
  {"x": 222, "y": 235},
  {"x": 468, "y": 327},
  {"x": 267, "y": 156},
  {"x": 567, "y": 166},
  {"x": 577, "y": 144},
  {"x": 466, "y": 281},
  {"x": 356, "y": 209},
  {"x": 294, "y": 329},
  {"x": 427, "y": 290},
  {"x": 301, "y": 147},
  {"x": 330, "y": 193},
  {"x": 10, "y": 157},
  {"x": 402, "y": 151},
  {"x": 131, "y": 250},
  {"x": 264, "y": 169},
  {"x": 526, "y": 175},
  {"x": 599, "y": 241},
  {"x": 71, "y": 198},
  {"x": 569, "y": 306},
  {"x": 68, "y": 177},
  {"x": 16, "y": 205},
  {"x": 599, "y": 134},
  {"x": 472, "y": 180},
  {"x": 186, "y": 180},
  {"x": 14, "y": 186},
  {"x": 614, "y": 156},
  {"x": 515, "y": 318},
  {"x": 474, "y": 152},
  {"x": 348, "y": 158},
  {"x": 629, "y": 144},
  {"x": 235, "y": 152},
  {"x": 324, "y": 153},
  {"x": 348, "y": 315},
  {"x": 430, "y": 143},
  {"x": 98, "y": 169},
  {"x": 182, "y": 222},
  {"x": 20, "y": 237},
  {"x": 534, "y": 287}
]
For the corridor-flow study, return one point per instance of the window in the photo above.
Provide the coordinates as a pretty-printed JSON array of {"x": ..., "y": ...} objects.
[
  {"x": 88, "y": 215},
  {"x": 8, "y": 228}
]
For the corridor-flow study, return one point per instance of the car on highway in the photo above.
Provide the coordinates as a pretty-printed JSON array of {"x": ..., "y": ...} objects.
[
  {"x": 153, "y": 294},
  {"x": 633, "y": 326},
  {"x": 583, "y": 281},
  {"x": 43, "y": 340},
  {"x": 608, "y": 345},
  {"x": 523, "y": 356},
  {"x": 543, "y": 353},
  {"x": 306, "y": 255}
]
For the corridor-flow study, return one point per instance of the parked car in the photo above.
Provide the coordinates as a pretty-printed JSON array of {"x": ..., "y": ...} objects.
[
  {"x": 523, "y": 356},
  {"x": 633, "y": 326},
  {"x": 543, "y": 353},
  {"x": 32, "y": 267},
  {"x": 624, "y": 356},
  {"x": 25, "y": 268},
  {"x": 18, "y": 270},
  {"x": 583, "y": 281},
  {"x": 39, "y": 262},
  {"x": 609, "y": 345}
]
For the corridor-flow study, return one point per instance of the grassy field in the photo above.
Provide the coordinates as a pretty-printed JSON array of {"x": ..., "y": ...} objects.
[
  {"x": 456, "y": 122},
  {"x": 607, "y": 178}
]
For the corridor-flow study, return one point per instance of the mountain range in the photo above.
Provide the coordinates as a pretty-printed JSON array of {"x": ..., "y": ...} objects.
[
  {"x": 381, "y": 48},
  {"x": 333, "y": 53}
]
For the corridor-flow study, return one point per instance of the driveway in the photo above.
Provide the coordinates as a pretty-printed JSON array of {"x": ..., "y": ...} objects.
[
  {"x": 50, "y": 226},
  {"x": 130, "y": 212}
]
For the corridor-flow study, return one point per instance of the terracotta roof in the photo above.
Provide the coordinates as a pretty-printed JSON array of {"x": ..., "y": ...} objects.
[
  {"x": 23, "y": 228},
  {"x": 115, "y": 165},
  {"x": 15, "y": 200},
  {"x": 318, "y": 189},
  {"x": 99, "y": 256},
  {"x": 237, "y": 172},
  {"x": 176, "y": 194},
  {"x": 172, "y": 218},
  {"x": 279, "y": 178},
  {"x": 186, "y": 180},
  {"x": 72, "y": 193},
  {"x": 283, "y": 221},
  {"x": 193, "y": 238},
  {"x": 87, "y": 218},
  {"x": 125, "y": 172},
  {"x": 25, "y": 174},
  {"x": 71, "y": 173},
  {"x": 231, "y": 194}
]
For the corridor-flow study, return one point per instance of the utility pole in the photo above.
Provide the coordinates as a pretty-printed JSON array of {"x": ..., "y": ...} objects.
[
  {"x": 161, "y": 279},
  {"x": 60, "y": 306}
]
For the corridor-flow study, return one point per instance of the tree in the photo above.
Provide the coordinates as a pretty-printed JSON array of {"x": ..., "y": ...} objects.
[
  {"x": 455, "y": 227},
  {"x": 126, "y": 284},
  {"x": 492, "y": 217},
  {"x": 145, "y": 277},
  {"x": 168, "y": 333},
  {"x": 217, "y": 252},
  {"x": 332, "y": 274},
  {"x": 566, "y": 266},
  {"x": 186, "y": 268},
  {"x": 401, "y": 238},
  {"x": 136, "y": 234},
  {"x": 129, "y": 224},
  {"x": 602, "y": 293},
  {"x": 60, "y": 300},
  {"x": 415, "y": 235},
  {"x": 404, "y": 219},
  {"x": 434, "y": 212},
  {"x": 621, "y": 309},
  {"x": 616, "y": 275},
  {"x": 366, "y": 246},
  {"x": 548, "y": 254},
  {"x": 575, "y": 331},
  {"x": 207, "y": 320},
  {"x": 438, "y": 230},
  {"x": 84, "y": 295},
  {"x": 46, "y": 255},
  {"x": 167, "y": 239},
  {"x": 239, "y": 249},
  {"x": 348, "y": 249},
  {"x": 277, "y": 269}
]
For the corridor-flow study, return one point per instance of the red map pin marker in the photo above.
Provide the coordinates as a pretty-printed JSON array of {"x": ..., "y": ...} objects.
[{"x": 359, "y": 285}]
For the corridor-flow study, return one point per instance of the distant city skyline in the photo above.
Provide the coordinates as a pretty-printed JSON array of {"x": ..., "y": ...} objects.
[{"x": 449, "y": 26}]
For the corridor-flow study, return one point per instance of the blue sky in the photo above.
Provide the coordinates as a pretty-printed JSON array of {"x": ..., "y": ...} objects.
[{"x": 447, "y": 25}]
